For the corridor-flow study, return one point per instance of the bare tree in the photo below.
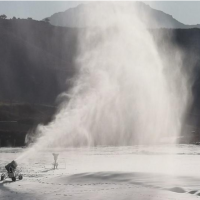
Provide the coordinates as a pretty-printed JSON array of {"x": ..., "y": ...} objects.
[
  {"x": 3, "y": 16},
  {"x": 47, "y": 20}
]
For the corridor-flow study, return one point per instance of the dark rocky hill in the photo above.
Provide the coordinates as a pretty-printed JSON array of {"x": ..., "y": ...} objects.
[
  {"x": 37, "y": 59},
  {"x": 188, "y": 41}
]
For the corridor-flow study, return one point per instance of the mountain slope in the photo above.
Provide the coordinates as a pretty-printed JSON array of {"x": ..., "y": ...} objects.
[
  {"x": 36, "y": 59},
  {"x": 74, "y": 17}
]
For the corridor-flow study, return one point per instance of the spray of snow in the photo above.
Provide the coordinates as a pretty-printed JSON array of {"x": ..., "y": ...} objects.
[{"x": 126, "y": 92}]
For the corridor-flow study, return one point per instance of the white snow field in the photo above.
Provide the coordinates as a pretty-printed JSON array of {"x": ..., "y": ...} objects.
[{"x": 113, "y": 173}]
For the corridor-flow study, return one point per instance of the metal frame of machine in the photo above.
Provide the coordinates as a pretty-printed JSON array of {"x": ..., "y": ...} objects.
[{"x": 12, "y": 172}]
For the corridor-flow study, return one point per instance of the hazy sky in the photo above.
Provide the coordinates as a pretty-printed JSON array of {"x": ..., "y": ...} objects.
[{"x": 187, "y": 12}]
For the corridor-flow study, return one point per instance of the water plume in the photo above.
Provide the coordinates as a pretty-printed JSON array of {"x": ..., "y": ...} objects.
[{"x": 126, "y": 91}]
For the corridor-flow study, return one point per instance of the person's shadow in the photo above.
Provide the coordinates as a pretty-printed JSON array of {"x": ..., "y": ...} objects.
[{"x": 47, "y": 170}]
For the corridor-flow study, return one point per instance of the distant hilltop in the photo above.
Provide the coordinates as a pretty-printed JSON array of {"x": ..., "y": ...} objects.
[{"x": 74, "y": 17}]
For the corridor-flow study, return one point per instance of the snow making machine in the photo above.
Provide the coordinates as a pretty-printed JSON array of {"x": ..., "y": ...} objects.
[{"x": 12, "y": 172}]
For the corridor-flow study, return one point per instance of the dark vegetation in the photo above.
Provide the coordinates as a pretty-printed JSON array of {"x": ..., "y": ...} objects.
[
  {"x": 188, "y": 40},
  {"x": 17, "y": 119},
  {"x": 36, "y": 59},
  {"x": 37, "y": 64}
]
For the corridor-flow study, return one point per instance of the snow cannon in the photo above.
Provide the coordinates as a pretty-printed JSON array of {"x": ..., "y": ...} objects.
[
  {"x": 12, "y": 172},
  {"x": 11, "y": 167}
]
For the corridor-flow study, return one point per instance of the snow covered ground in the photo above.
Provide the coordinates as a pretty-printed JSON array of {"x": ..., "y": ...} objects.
[{"x": 114, "y": 173}]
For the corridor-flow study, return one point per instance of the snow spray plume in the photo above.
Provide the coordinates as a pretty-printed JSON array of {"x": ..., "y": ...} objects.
[{"x": 125, "y": 92}]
